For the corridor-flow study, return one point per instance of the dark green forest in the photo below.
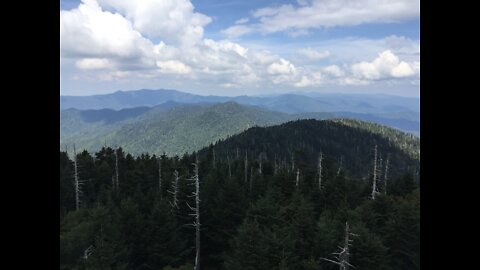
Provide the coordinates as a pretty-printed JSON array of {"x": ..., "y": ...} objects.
[{"x": 271, "y": 198}]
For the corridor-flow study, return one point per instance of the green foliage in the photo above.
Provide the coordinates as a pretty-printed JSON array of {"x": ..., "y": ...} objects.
[
  {"x": 265, "y": 222},
  {"x": 186, "y": 128}
]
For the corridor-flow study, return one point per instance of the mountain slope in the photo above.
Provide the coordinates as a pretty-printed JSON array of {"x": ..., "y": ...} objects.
[
  {"x": 171, "y": 127},
  {"x": 349, "y": 143},
  {"x": 183, "y": 128}
]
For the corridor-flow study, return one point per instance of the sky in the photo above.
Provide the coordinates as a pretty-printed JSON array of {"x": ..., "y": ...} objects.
[{"x": 240, "y": 47}]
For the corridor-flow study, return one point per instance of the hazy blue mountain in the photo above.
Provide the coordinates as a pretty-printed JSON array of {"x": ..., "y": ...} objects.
[
  {"x": 410, "y": 126},
  {"x": 130, "y": 99},
  {"x": 288, "y": 103}
]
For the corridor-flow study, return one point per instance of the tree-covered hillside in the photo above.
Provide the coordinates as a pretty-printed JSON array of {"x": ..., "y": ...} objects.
[
  {"x": 349, "y": 142},
  {"x": 259, "y": 210},
  {"x": 169, "y": 128}
]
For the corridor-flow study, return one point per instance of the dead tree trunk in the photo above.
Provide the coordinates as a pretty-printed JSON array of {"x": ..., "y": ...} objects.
[
  {"x": 340, "y": 166},
  {"x": 297, "y": 179},
  {"x": 293, "y": 163},
  {"x": 374, "y": 185},
  {"x": 174, "y": 190},
  {"x": 343, "y": 258},
  {"x": 77, "y": 181},
  {"x": 380, "y": 166},
  {"x": 260, "y": 166},
  {"x": 385, "y": 175},
  {"x": 196, "y": 214}
]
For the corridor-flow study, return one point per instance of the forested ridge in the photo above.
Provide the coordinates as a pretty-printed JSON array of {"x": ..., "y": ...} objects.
[
  {"x": 271, "y": 198},
  {"x": 174, "y": 128}
]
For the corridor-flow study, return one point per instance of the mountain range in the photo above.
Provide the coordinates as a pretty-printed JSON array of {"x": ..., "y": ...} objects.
[
  {"x": 171, "y": 128},
  {"x": 287, "y": 103}
]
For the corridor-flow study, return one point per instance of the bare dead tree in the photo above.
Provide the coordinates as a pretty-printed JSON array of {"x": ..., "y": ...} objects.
[
  {"x": 87, "y": 252},
  {"x": 260, "y": 165},
  {"x": 320, "y": 171},
  {"x": 385, "y": 175},
  {"x": 340, "y": 166},
  {"x": 343, "y": 257},
  {"x": 238, "y": 154},
  {"x": 297, "y": 179},
  {"x": 380, "y": 166},
  {"x": 196, "y": 213},
  {"x": 374, "y": 185},
  {"x": 78, "y": 182},
  {"x": 174, "y": 190},
  {"x": 293, "y": 163}
]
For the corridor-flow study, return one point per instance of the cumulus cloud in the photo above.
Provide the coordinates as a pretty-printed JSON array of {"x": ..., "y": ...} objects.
[
  {"x": 173, "y": 21},
  {"x": 386, "y": 65},
  {"x": 94, "y": 63},
  {"x": 113, "y": 41},
  {"x": 173, "y": 66},
  {"x": 88, "y": 31},
  {"x": 334, "y": 71},
  {"x": 314, "y": 54},
  {"x": 281, "y": 67}
]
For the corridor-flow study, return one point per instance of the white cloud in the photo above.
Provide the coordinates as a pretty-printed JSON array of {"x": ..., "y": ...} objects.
[
  {"x": 173, "y": 21},
  {"x": 93, "y": 63},
  {"x": 304, "y": 82},
  {"x": 229, "y": 85},
  {"x": 314, "y": 54},
  {"x": 88, "y": 31},
  {"x": 173, "y": 66},
  {"x": 281, "y": 67},
  {"x": 226, "y": 46},
  {"x": 334, "y": 71},
  {"x": 237, "y": 31},
  {"x": 109, "y": 46},
  {"x": 386, "y": 65},
  {"x": 331, "y": 13}
]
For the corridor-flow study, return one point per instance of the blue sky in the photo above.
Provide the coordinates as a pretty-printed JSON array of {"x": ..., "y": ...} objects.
[{"x": 236, "y": 47}]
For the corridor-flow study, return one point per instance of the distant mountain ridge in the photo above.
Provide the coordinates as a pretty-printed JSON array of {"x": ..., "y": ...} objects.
[
  {"x": 288, "y": 103},
  {"x": 171, "y": 127}
]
